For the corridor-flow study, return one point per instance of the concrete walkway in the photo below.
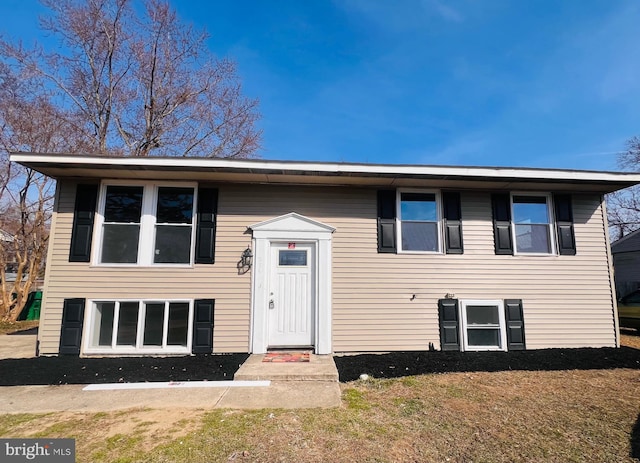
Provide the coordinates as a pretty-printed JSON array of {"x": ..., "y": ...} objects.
[
  {"x": 18, "y": 346},
  {"x": 280, "y": 394},
  {"x": 293, "y": 385}
]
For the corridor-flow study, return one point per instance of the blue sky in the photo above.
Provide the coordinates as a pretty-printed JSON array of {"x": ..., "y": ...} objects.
[{"x": 539, "y": 83}]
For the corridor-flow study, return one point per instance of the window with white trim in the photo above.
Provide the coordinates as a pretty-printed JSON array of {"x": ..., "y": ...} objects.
[
  {"x": 419, "y": 221},
  {"x": 140, "y": 326},
  {"x": 532, "y": 222},
  {"x": 146, "y": 225},
  {"x": 483, "y": 325}
]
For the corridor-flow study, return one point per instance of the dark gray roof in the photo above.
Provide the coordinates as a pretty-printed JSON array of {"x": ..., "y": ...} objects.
[{"x": 628, "y": 243}]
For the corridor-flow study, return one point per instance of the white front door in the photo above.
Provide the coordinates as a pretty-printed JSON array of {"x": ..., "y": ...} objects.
[{"x": 292, "y": 295}]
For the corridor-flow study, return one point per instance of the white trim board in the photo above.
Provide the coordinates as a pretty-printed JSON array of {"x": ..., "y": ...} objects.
[{"x": 174, "y": 385}]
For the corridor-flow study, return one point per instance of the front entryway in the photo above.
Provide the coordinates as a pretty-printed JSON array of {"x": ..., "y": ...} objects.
[
  {"x": 291, "y": 284},
  {"x": 292, "y": 295}
]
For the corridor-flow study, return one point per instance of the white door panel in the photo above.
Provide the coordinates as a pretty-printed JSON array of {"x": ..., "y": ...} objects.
[{"x": 292, "y": 297}]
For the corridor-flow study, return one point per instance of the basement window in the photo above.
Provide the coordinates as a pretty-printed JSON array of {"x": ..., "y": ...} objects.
[
  {"x": 483, "y": 325},
  {"x": 140, "y": 327}
]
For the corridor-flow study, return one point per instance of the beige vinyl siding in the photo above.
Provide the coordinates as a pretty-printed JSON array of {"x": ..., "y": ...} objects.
[
  {"x": 567, "y": 299},
  {"x": 219, "y": 281}
]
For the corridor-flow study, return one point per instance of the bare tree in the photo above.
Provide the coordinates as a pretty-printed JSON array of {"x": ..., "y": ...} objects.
[
  {"x": 123, "y": 80},
  {"x": 624, "y": 206},
  {"x": 142, "y": 84},
  {"x": 28, "y": 122},
  {"x": 26, "y": 219},
  {"x": 192, "y": 105},
  {"x": 630, "y": 159}
]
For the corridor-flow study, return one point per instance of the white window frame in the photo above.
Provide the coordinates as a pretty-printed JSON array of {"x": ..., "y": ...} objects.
[
  {"x": 551, "y": 224},
  {"x": 501, "y": 326},
  {"x": 139, "y": 348},
  {"x": 439, "y": 225},
  {"x": 147, "y": 237}
]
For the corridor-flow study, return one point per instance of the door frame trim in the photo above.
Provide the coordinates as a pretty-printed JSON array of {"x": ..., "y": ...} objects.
[{"x": 291, "y": 227}]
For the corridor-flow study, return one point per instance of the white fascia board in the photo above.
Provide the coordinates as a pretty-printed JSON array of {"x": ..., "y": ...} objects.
[{"x": 319, "y": 168}]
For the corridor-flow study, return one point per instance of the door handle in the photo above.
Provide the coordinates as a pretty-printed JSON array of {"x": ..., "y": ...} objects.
[{"x": 271, "y": 305}]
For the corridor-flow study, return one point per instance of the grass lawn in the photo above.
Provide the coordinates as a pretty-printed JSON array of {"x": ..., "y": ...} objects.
[
  {"x": 12, "y": 327},
  {"x": 513, "y": 416}
]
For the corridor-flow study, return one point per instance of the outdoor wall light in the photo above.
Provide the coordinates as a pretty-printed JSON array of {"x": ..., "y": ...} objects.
[{"x": 247, "y": 258}]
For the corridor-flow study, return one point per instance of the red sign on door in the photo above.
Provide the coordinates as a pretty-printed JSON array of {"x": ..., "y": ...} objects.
[{"x": 291, "y": 246}]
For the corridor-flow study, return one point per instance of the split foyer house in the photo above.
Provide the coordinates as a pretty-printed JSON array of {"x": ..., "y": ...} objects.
[{"x": 169, "y": 256}]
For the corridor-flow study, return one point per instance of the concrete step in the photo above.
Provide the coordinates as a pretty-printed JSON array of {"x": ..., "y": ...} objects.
[{"x": 318, "y": 368}]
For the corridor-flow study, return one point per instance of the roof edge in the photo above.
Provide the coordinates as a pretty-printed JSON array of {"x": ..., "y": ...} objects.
[{"x": 320, "y": 168}]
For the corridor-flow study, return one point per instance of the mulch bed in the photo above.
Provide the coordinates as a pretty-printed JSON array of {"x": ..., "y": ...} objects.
[
  {"x": 74, "y": 370},
  {"x": 397, "y": 364},
  {"x": 220, "y": 367}
]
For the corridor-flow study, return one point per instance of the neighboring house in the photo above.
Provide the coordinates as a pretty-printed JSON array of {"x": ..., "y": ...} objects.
[
  {"x": 5, "y": 236},
  {"x": 182, "y": 255},
  {"x": 11, "y": 265},
  {"x": 626, "y": 263}
]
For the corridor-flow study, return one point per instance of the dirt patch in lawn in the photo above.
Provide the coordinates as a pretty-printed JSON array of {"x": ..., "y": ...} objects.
[
  {"x": 105, "y": 436},
  {"x": 147, "y": 423},
  {"x": 19, "y": 327},
  {"x": 630, "y": 338}
]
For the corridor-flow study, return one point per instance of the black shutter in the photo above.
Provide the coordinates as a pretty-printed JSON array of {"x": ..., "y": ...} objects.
[
  {"x": 452, "y": 223},
  {"x": 449, "y": 326},
  {"x": 386, "y": 221},
  {"x": 501, "y": 206},
  {"x": 206, "y": 225},
  {"x": 203, "y": 326},
  {"x": 564, "y": 225},
  {"x": 83, "y": 215},
  {"x": 515, "y": 324},
  {"x": 71, "y": 329}
]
